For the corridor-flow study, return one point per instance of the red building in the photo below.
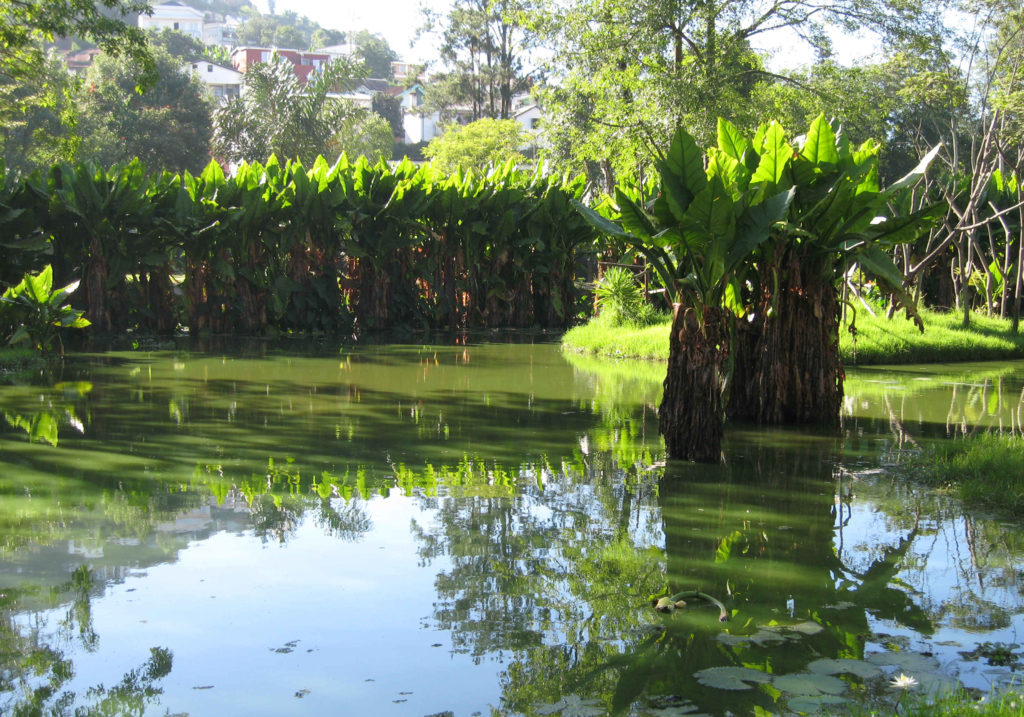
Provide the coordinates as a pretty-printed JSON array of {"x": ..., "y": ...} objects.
[{"x": 242, "y": 58}]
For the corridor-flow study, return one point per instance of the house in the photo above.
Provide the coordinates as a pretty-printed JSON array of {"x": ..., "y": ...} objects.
[
  {"x": 305, "y": 63},
  {"x": 224, "y": 83},
  {"x": 174, "y": 16},
  {"x": 529, "y": 117},
  {"x": 419, "y": 126},
  {"x": 404, "y": 72},
  {"x": 79, "y": 62},
  {"x": 224, "y": 34}
]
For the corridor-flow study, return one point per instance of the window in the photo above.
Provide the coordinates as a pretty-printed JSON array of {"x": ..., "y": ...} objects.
[
  {"x": 305, "y": 61},
  {"x": 209, "y": 68},
  {"x": 534, "y": 122},
  {"x": 265, "y": 56}
]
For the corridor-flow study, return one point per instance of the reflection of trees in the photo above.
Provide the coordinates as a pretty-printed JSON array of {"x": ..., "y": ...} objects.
[
  {"x": 556, "y": 583},
  {"x": 34, "y": 670}
]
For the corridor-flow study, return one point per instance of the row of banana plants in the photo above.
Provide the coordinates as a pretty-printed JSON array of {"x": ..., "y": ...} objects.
[{"x": 278, "y": 246}]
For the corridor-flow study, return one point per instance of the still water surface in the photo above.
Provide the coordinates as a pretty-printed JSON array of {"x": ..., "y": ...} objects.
[{"x": 424, "y": 530}]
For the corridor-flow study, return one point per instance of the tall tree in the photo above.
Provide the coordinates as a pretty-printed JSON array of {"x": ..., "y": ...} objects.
[
  {"x": 38, "y": 113},
  {"x": 35, "y": 92},
  {"x": 627, "y": 74},
  {"x": 375, "y": 53},
  {"x": 484, "y": 46},
  {"x": 167, "y": 126}
]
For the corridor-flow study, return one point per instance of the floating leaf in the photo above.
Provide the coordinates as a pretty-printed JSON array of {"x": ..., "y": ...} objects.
[
  {"x": 809, "y": 683},
  {"x": 807, "y": 628},
  {"x": 829, "y": 666},
  {"x": 731, "y": 678},
  {"x": 908, "y": 662},
  {"x": 733, "y": 640},
  {"x": 813, "y": 703},
  {"x": 935, "y": 684},
  {"x": 770, "y": 636},
  {"x": 572, "y": 706}
]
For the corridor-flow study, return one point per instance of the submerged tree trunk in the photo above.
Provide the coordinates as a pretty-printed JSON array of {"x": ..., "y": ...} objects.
[
  {"x": 787, "y": 368},
  {"x": 691, "y": 414}
]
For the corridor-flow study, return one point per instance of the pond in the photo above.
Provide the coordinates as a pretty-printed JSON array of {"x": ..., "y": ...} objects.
[{"x": 480, "y": 529}]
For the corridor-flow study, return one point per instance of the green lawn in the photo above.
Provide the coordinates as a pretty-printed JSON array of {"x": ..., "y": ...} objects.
[{"x": 879, "y": 340}]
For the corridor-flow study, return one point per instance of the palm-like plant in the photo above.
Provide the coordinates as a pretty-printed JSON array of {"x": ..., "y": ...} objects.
[{"x": 699, "y": 235}]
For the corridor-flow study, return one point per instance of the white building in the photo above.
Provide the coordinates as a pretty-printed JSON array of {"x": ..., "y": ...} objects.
[
  {"x": 174, "y": 16},
  {"x": 224, "y": 83}
]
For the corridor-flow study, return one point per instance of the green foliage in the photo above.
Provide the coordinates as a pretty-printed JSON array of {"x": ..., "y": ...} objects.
[
  {"x": 323, "y": 248},
  {"x": 375, "y": 53},
  {"x": 277, "y": 115},
  {"x": 37, "y": 312},
  {"x": 477, "y": 145},
  {"x": 166, "y": 127},
  {"x": 629, "y": 74},
  {"x": 621, "y": 300}
]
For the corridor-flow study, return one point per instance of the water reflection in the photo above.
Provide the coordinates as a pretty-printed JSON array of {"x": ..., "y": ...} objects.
[{"x": 527, "y": 518}]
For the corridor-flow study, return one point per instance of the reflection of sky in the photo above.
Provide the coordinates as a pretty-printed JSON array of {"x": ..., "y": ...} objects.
[
  {"x": 967, "y": 585},
  {"x": 230, "y": 601}
]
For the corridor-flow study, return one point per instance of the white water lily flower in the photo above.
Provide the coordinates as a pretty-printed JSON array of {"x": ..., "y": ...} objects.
[{"x": 903, "y": 682}]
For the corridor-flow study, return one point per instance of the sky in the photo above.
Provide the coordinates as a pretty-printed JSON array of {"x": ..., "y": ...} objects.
[{"x": 396, "y": 20}]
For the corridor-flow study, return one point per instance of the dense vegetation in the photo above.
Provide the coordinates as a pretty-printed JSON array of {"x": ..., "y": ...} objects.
[{"x": 281, "y": 247}]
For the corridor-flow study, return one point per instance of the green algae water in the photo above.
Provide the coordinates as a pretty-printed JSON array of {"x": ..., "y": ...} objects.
[{"x": 478, "y": 530}]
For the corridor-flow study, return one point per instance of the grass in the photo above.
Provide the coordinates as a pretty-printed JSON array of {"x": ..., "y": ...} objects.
[
  {"x": 878, "y": 341},
  {"x": 604, "y": 338},
  {"x": 986, "y": 469},
  {"x": 1006, "y": 703}
]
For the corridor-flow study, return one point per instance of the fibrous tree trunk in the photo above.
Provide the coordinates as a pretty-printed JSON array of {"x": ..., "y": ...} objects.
[
  {"x": 788, "y": 369},
  {"x": 691, "y": 416}
]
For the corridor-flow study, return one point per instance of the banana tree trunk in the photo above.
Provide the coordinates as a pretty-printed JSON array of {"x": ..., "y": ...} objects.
[
  {"x": 691, "y": 416},
  {"x": 98, "y": 312}
]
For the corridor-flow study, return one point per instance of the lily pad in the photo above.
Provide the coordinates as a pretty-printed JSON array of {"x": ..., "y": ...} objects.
[
  {"x": 909, "y": 662},
  {"x": 829, "y": 666},
  {"x": 572, "y": 706},
  {"x": 733, "y": 640},
  {"x": 936, "y": 684},
  {"x": 807, "y": 628},
  {"x": 769, "y": 636},
  {"x": 731, "y": 678},
  {"x": 809, "y": 683},
  {"x": 808, "y": 704}
]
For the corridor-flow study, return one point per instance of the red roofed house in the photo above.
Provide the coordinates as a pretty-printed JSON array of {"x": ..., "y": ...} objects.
[{"x": 242, "y": 58}]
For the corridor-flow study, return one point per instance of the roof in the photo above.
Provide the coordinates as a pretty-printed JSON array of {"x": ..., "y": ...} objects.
[
  {"x": 173, "y": 9},
  {"x": 376, "y": 85}
]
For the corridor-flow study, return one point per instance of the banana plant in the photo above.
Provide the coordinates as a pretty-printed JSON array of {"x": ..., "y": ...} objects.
[
  {"x": 839, "y": 218},
  {"x": 37, "y": 312},
  {"x": 100, "y": 221},
  {"x": 700, "y": 234}
]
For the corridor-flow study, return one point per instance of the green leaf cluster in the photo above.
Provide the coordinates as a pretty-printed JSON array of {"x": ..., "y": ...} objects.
[
  {"x": 37, "y": 312},
  {"x": 286, "y": 247}
]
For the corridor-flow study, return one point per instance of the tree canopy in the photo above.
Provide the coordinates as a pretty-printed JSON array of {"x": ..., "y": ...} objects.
[{"x": 477, "y": 145}]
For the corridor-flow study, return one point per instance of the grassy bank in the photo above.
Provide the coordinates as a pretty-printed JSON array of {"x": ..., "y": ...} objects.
[
  {"x": 878, "y": 340},
  {"x": 984, "y": 470}
]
